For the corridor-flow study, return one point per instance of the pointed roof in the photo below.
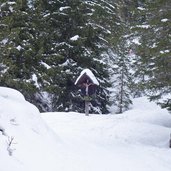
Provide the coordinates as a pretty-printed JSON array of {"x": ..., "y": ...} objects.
[{"x": 84, "y": 74}]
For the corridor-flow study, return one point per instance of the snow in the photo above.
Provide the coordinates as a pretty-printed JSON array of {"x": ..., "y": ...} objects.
[
  {"x": 138, "y": 138},
  {"x": 141, "y": 8},
  {"x": 99, "y": 27},
  {"x": 45, "y": 65},
  {"x": 63, "y": 8},
  {"x": 18, "y": 47},
  {"x": 135, "y": 140},
  {"x": 145, "y": 26},
  {"x": 11, "y": 9},
  {"x": 64, "y": 44},
  {"x": 4, "y": 41},
  {"x": 164, "y": 51},
  {"x": 46, "y": 15},
  {"x": 35, "y": 79},
  {"x": 22, "y": 120},
  {"x": 164, "y": 20},
  {"x": 88, "y": 73},
  {"x": 11, "y": 3},
  {"x": 74, "y": 38},
  {"x": 4, "y": 68},
  {"x": 11, "y": 94},
  {"x": 136, "y": 40},
  {"x": 110, "y": 5}
]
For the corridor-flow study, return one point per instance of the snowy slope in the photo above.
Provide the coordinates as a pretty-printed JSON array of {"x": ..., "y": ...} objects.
[
  {"x": 134, "y": 141},
  {"x": 34, "y": 143}
]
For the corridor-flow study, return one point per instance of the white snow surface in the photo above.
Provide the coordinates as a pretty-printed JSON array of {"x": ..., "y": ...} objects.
[
  {"x": 63, "y": 8},
  {"x": 141, "y": 8},
  {"x": 164, "y": 20},
  {"x": 35, "y": 79},
  {"x": 45, "y": 65},
  {"x": 137, "y": 140},
  {"x": 89, "y": 73},
  {"x": 74, "y": 38},
  {"x": 34, "y": 142},
  {"x": 18, "y": 47},
  {"x": 164, "y": 51}
]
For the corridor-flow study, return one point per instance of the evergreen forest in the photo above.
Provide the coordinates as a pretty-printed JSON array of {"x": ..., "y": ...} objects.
[{"x": 45, "y": 44}]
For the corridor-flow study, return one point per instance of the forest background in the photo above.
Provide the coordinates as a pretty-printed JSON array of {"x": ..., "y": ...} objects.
[{"x": 45, "y": 44}]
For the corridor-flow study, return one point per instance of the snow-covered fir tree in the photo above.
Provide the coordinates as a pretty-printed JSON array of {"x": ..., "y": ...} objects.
[
  {"x": 51, "y": 43},
  {"x": 17, "y": 47},
  {"x": 44, "y": 45},
  {"x": 121, "y": 75},
  {"x": 154, "y": 47}
]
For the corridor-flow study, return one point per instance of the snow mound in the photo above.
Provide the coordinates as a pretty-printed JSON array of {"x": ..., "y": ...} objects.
[
  {"x": 24, "y": 136},
  {"x": 146, "y": 123},
  {"x": 11, "y": 94},
  {"x": 15, "y": 111}
]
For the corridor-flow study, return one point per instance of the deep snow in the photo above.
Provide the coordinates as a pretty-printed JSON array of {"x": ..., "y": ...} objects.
[{"x": 137, "y": 140}]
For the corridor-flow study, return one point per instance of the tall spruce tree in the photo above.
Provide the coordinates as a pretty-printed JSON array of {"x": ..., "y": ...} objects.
[
  {"x": 22, "y": 49},
  {"x": 121, "y": 58},
  {"x": 16, "y": 45},
  {"x": 74, "y": 39},
  {"x": 121, "y": 75},
  {"x": 46, "y": 44},
  {"x": 154, "y": 47}
]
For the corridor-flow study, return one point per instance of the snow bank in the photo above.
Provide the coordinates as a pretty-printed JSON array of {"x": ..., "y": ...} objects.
[
  {"x": 146, "y": 123},
  {"x": 135, "y": 140},
  {"x": 11, "y": 94},
  {"x": 32, "y": 142}
]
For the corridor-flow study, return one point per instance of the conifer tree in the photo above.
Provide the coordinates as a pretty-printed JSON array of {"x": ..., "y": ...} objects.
[
  {"x": 121, "y": 58},
  {"x": 16, "y": 44},
  {"x": 73, "y": 40},
  {"x": 46, "y": 44},
  {"x": 122, "y": 77},
  {"x": 154, "y": 47},
  {"x": 21, "y": 50}
]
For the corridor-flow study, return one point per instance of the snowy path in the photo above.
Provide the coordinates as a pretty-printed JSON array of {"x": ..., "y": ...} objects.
[{"x": 137, "y": 140}]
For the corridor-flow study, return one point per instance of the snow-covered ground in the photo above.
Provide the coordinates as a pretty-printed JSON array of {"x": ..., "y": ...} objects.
[{"x": 137, "y": 140}]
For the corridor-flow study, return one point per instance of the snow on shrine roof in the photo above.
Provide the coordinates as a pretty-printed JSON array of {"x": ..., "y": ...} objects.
[{"x": 89, "y": 74}]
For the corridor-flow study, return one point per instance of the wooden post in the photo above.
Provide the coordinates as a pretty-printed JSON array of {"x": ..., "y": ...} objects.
[
  {"x": 86, "y": 100},
  {"x": 87, "y": 83},
  {"x": 170, "y": 141},
  {"x": 86, "y": 108}
]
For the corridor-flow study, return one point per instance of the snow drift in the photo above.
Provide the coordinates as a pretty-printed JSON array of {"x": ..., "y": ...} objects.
[
  {"x": 135, "y": 140},
  {"x": 32, "y": 142}
]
